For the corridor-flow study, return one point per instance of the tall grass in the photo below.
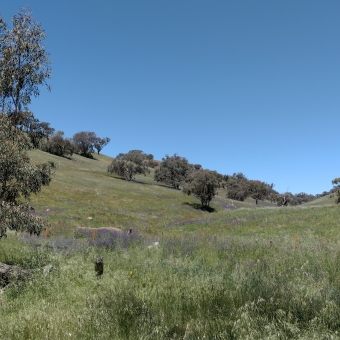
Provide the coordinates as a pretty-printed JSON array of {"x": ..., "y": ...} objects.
[
  {"x": 231, "y": 274},
  {"x": 187, "y": 288}
]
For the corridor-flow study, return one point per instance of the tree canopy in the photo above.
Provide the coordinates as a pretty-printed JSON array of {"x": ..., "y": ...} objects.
[
  {"x": 129, "y": 164},
  {"x": 86, "y": 141},
  {"x": 18, "y": 180},
  {"x": 173, "y": 171},
  {"x": 203, "y": 184},
  {"x": 24, "y": 66}
]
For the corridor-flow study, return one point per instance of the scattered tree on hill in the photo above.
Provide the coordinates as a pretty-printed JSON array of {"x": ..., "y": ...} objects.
[
  {"x": 85, "y": 142},
  {"x": 337, "y": 181},
  {"x": 237, "y": 186},
  {"x": 38, "y": 132},
  {"x": 24, "y": 66},
  {"x": 129, "y": 164},
  {"x": 258, "y": 190},
  {"x": 151, "y": 162},
  {"x": 203, "y": 185},
  {"x": 99, "y": 143},
  {"x": 58, "y": 145},
  {"x": 284, "y": 199},
  {"x": 173, "y": 171}
]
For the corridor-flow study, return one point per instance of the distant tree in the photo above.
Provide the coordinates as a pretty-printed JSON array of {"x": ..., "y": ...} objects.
[
  {"x": 151, "y": 162},
  {"x": 336, "y": 181},
  {"x": 237, "y": 186},
  {"x": 24, "y": 66},
  {"x": 258, "y": 190},
  {"x": 303, "y": 197},
  {"x": 58, "y": 145},
  {"x": 38, "y": 132},
  {"x": 129, "y": 164},
  {"x": 173, "y": 171},
  {"x": 203, "y": 184},
  {"x": 84, "y": 143},
  {"x": 99, "y": 143},
  {"x": 283, "y": 200}
]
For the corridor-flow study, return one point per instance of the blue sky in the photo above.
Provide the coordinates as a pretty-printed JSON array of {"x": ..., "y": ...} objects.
[{"x": 237, "y": 86}]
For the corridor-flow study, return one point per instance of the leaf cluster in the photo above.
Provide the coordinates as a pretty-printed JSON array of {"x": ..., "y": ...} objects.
[
  {"x": 18, "y": 180},
  {"x": 86, "y": 141},
  {"x": 203, "y": 184},
  {"x": 129, "y": 164},
  {"x": 173, "y": 171},
  {"x": 24, "y": 64},
  {"x": 58, "y": 145}
]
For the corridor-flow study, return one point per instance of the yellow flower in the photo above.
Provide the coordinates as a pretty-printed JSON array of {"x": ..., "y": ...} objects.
[{"x": 130, "y": 273}]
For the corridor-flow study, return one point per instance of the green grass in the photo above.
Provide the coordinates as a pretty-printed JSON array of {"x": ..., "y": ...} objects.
[{"x": 257, "y": 272}]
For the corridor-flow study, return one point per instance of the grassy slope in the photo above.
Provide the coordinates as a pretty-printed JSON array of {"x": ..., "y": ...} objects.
[
  {"x": 82, "y": 188},
  {"x": 244, "y": 278},
  {"x": 328, "y": 200}
]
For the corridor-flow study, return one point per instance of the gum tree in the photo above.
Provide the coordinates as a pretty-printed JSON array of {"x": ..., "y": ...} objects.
[
  {"x": 173, "y": 171},
  {"x": 24, "y": 66},
  {"x": 203, "y": 184}
]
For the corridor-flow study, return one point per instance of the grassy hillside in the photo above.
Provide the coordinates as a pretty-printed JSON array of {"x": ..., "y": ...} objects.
[
  {"x": 248, "y": 273},
  {"x": 82, "y": 188},
  {"x": 328, "y": 200}
]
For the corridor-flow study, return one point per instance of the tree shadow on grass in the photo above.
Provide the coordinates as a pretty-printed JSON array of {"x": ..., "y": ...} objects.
[{"x": 198, "y": 206}]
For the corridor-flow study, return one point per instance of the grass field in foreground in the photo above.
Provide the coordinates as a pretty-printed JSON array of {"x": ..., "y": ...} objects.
[{"x": 265, "y": 273}]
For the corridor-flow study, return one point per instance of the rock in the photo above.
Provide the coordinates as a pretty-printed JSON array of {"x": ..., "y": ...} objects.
[
  {"x": 90, "y": 218},
  {"x": 47, "y": 269},
  {"x": 12, "y": 274}
]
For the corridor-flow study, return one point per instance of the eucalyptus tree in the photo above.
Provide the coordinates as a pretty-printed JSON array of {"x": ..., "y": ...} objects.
[
  {"x": 24, "y": 66},
  {"x": 203, "y": 184},
  {"x": 129, "y": 164},
  {"x": 18, "y": 180},
  {"x": 258, "y": 190},
  {"x": 173, "y": 171},
  {"x": 99, "y": 143}
]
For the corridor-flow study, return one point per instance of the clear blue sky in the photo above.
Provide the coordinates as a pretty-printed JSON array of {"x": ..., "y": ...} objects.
[{"x": 237, "y": 86}]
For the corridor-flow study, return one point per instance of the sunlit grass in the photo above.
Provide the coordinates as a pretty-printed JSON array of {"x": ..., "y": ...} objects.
[{"x": 264, "y": 273}]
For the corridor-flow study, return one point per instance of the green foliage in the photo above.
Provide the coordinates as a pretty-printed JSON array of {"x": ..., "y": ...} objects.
[
  {"x": 18, "y": 180},
  {"x": 203, "y": 184},
  {"x": 129, "y": 164},
  {"x": 58, "y": 145},
  {"x": 237, "y": 187},
  {"x": 337, "y": 181},
  {"x": 257, "y": 189},
  {"x": 24, "y": 65},
  {"x": 99, "y": 143},
  {"x": 173, "y": 171},
  {"x": 85, "y": 142}
]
